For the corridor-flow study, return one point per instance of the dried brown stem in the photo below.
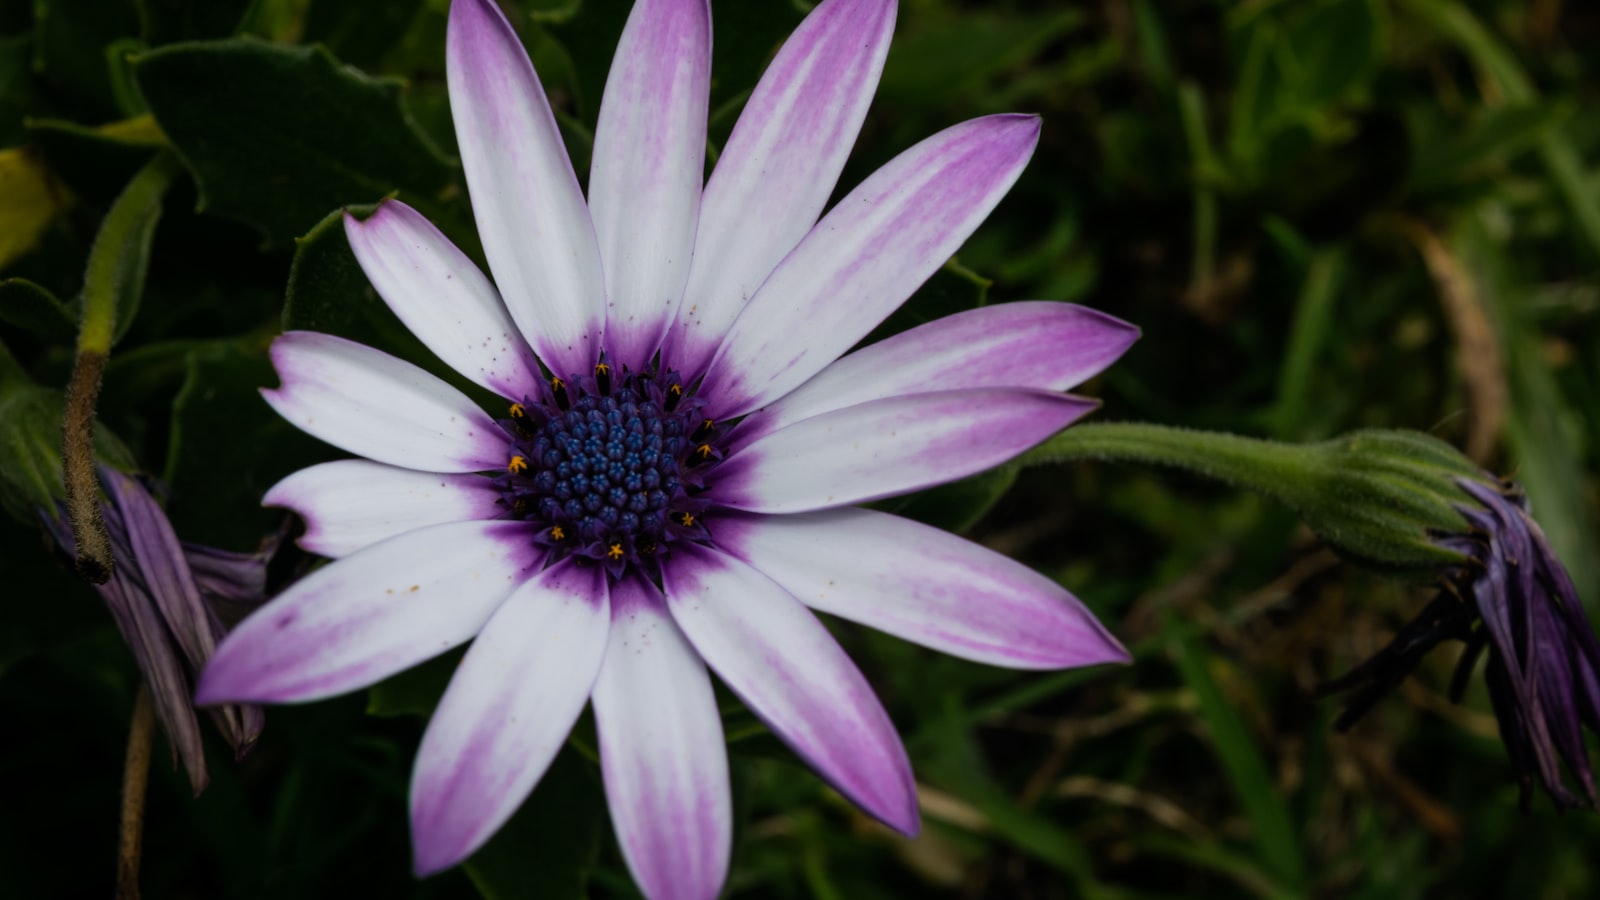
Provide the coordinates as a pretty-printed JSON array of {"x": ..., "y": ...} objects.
[
  {"x": 135, "y": 778},
  {"x": 1477, "y": 348}
]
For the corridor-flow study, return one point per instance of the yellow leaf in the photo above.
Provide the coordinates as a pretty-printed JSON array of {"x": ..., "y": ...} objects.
[{"x": 30, "y": 199}]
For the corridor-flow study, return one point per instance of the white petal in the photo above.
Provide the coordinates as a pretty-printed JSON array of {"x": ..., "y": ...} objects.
[
  {"x": 507, "y": 712},
  {"x": 865, "y": 257},
  {"x": 442, "y": 297},
  {"x": 661, "y": 750},
  {"x": 1035, "y": 344},
  {"x": 371, "y": 614},
  {"x": 374, "y": 405},
  {"x": 887, "y": 447},
  {"x": 354, "y": 503},
  {"x": 923, "y": 585},
  {"x": 789, "y": 671},
  {"x": 644, "y": 183},
  {"x": 531, "y": 216},
  {"x": 779, "y": 166}
]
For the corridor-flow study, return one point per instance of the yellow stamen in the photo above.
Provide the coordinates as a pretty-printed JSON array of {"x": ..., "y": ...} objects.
[
  {"x": 686, "y": 519},
  {"x": 518, "y": 465},
  {"x": 602, "y": 369},
  {"x": 556, "y": 534},
  {"x": 704, "y": 450},
  {"x": 517, "y": 411},
  {"x": 615, "y": 552}
]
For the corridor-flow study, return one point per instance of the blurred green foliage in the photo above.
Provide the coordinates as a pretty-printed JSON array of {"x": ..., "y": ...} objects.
[{"x": 1325, "y": 214}]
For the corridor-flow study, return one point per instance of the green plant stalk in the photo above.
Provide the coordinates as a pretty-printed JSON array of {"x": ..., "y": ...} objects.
[
  {"x": 1381, "y": 498},
  {"x": 1243, "y": 462},
  {"x": 118, "y": 252}
]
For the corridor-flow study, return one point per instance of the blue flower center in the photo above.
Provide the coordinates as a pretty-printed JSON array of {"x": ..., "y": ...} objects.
[{"x": 608, "y": 466}]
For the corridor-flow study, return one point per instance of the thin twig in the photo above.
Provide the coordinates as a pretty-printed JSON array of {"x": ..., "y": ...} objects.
[
  {"x": 1478, "y": 354},
  {"x": 135, "y": 778}
]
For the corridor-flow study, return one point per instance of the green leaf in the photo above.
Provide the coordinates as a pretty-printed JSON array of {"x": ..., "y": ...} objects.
[
  {"x": 278, "y": 136},
  {"x": 95, "y": 162},
  {"x": 71, "y": 37},
  {"x": 416, "y": 691},
  {"x": 30, "y": 449},
  {"x": 360, "y": 32},
  {"x": 227, "y": 447},
  {"x": 1330, "y": 50},
  {"x": 37, "y": 311},
  {"x": 1497, "y": 135},
  {"x": 1275, "y": 834},
  {"x": 957, "y": 506},
  {"x": 16, "y": 85},
  {"x": 1457, "y": 24},
  {"x": 934, "y": 60},
  {"x": 11, "y": 373},
  {"x": 589, "y": 36},
  {"x": 1308, "y": 340},
  {"x": 952, "y": 289},
  {"x": 167, "y": 21},
  {"x": 329, "y": 293},
  {"x": 958, "y": 766},
  {"x": 547, "y": 849},
  {"x": 736, "y": 65}
]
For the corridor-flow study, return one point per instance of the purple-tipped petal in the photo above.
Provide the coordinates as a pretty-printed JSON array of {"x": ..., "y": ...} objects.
[
  {"x": 887, "y": 447},
  {"x": 531, "y": 216},
  {"x": 442, "y": 297},
  {"x": 779, "y": 166},
  {"x": 158, "y": 564},
  {"x": 374, "y": 405},
  {"x": 371, "y": 614},
  {"x": 142, "y": 630},
  {"x": 1035, "y": 344},
  {"x": 353, "y": 504},
  {"x": 229, "y": 578},
  {"x": 923, "y": 585},
  {"x": 644, "y": 183},
  {"x": 146, "y": 636},
  {"x": 865, "y": 258},
  {"x": 661, "y": 750},
  {"x": 507, "y": 711},
  {"x": 789, "y": 671}
]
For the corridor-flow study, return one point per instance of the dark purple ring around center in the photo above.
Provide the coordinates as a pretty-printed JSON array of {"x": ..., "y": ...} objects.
[{"x": 609, "y": 466}]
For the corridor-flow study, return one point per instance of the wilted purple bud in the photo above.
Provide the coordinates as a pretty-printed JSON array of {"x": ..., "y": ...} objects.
[
  {"x": 1514, "y": 598},
  {"x": 170, "y": 601}
]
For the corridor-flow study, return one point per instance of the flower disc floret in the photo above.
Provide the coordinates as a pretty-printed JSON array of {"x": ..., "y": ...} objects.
[{"x": 608, "y": 467}]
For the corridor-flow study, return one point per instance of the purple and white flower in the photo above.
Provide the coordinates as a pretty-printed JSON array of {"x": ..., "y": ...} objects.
[{"x": 672, "y": 482}]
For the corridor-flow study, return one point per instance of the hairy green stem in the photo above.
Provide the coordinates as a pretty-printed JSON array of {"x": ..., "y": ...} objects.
[
  {"x": 116, "y": 264},
  {"x": 1243, "y": 462}
]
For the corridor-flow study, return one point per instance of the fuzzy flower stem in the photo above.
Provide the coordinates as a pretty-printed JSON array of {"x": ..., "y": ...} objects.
[
  {"x": 1382, "y": 497},
  {"x": 116, "y": 266},
  {"x": 1239, "y": 461},
  {"x": 135, "y": 778}
]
